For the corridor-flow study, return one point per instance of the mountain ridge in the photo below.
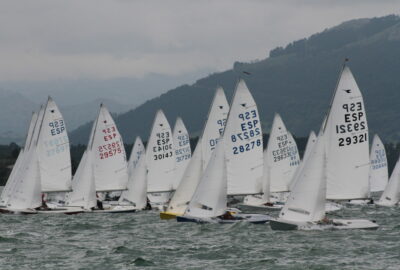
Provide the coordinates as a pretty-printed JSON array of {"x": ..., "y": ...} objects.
[{"x": 297, "y": 80}]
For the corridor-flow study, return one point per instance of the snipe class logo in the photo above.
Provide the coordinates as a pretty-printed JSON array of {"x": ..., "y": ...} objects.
[{"x": 348, "y": 91}]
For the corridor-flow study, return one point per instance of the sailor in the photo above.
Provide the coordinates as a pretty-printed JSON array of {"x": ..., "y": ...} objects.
[
  {"x": 148, "y": 205},
  {"x": 99, "y": 202},
  {"x": 227, "y": 216},
  {"x": 44, "y": 204}
]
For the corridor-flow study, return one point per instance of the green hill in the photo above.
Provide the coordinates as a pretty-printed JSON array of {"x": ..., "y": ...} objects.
[{"x": 296, "y": 81}]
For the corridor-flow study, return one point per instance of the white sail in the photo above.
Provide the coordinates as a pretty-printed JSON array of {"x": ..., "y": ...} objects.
[
  {"x": 53, "y": 151},
  {"x": 312, "y": 138},
  {"x": 26, "y": 194},
  {"x": 391, "y": 194},
  {"x": 282, "y": 156},
  {"x": 31, "y": 129},
  {"x": 137, "y": 151},
  {"x": 136, "y": 194},
  {"x": 11, "y": 181},
  {"x": 109, "y": 158},
  {"x": 243, "y": 144},
  {"x": 83, "y": 186},
  {"x": 378, "y": 175},
  {"x": 306, "y": 201},
  {"x": 210, "y": 197},
  {"x": 183, "y": 153},
  {"x": 190, "y": 181},
  {"x": 215, "y": 125},
  {"x": 5, "y": 194},
  {"x": 160, "y": 158},
  {"x": 347, "y": 144}
]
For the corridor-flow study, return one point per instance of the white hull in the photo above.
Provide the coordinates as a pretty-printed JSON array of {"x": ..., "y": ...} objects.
[
  {"x": 114, "y": 209},
  {"x": 334, "y": 224},
  {"x": 62, "y": 210},
  {"x": 332, "y": 207},
  {"x": 360, "y": 202},
  {"x": 386, "y": 204}
]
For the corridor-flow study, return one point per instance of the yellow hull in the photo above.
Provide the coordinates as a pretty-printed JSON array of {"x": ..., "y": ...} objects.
[{"x": 169, "y": 215}]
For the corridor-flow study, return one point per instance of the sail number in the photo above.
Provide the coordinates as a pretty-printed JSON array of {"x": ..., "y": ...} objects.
[
  {"x": 110, "y": 133},
  {"x": 183, "y": 153},
  {"x": 164, "y": 146},
  {"x": 56, "y": 127},
  {"x": 246, "y": 147},
  {"x": 353, "y": 139},
  {"x": 56, "y": 145},
  {"x": 249, "y": 129},
  {"x": 109, "y": 150},
  {"x": 352, "y": 118},
  {"x": 379, "y": 161}
]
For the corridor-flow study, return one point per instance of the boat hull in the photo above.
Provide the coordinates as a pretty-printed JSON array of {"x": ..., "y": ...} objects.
[
  {"x": 115, "y": 209},
  {"x": 17, "y": 211},
  {"x": 62, "y": 210},
  {"x": 335, "y": 224},
  {"x": 169, "y": 215},
  {"x": 250, "y": 218}
]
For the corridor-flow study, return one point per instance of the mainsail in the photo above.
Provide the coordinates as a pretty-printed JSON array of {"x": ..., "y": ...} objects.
[
  {"x": 347, "y": 144},
  {"x": 391, "y": 194},
  {"x": 306, "y": 201},
  {"x": 137, "y": 151},
  {"x": 282, "y": 156},
  {"x": 183, "y": 152},
  {"x": 378, "y": 175},
  {"x": 136, "y": 194},
  {"x": 243, "y": 144},
  {"x": 215, "y": 125},
  {"x": 109, "y": 158},
  {"x": 210, "y": 197},
  {"x": 190, "y": 180},
  {"x": 160, "y": 158},
  {"x": 53, "y": 151},
  {"x": 83, "y": 186}
]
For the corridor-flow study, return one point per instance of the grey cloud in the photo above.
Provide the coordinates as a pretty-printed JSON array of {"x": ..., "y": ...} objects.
[{"x": 47, "y": 40}]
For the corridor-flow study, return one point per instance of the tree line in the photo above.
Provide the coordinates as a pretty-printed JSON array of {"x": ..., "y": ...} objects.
[{"x": 9, "y": 154}]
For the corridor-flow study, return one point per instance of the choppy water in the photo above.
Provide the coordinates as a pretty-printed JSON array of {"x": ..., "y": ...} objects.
[{"x": 142, "y": 240}]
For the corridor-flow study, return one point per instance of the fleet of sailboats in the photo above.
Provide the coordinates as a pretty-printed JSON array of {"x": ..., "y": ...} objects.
[{"x": 228, "y": 162}]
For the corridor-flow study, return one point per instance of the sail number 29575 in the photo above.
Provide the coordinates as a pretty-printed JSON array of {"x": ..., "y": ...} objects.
[{"x": 360, "y": 138}]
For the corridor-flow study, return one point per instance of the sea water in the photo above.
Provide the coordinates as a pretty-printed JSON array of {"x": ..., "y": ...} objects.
[{"x": 143, "y": 241}]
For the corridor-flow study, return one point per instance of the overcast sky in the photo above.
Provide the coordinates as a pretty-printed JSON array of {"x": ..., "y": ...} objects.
[{"x": 103, "y": 39}]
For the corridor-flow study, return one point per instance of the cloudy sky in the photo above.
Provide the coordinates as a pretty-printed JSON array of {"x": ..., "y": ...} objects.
[{"x": 104, "y": 39}]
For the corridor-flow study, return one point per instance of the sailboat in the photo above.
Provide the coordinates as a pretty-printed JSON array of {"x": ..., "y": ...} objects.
[
  {"x": 209, "y": 201},
  {"x": 243, "y": 144},
  {"x": 183, "y": 153},
  {"x": 305, "y": 207},
  {"x": 160, "y": 160},
  {"x": 391, "y": 194},
  {"x": 213, "y": 130},
  {"x": 11, "y": 181},
  {"x": 347, "y": 142},
  {"x": 136, "y": 193},
  {"x": 103, "y": 167},
  {"x": 378, "y": 175},
  {"x": 281, "y": 160},
  {"x": 22, "y": 191}
]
